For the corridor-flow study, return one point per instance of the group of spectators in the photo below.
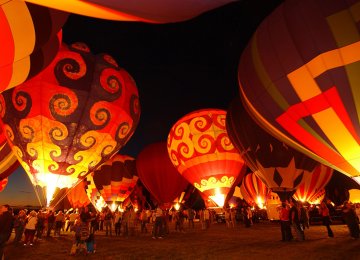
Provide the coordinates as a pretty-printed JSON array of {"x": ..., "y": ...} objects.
[{"x": 294, "y": 219}]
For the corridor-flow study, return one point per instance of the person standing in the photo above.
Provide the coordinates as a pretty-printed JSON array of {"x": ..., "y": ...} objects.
[
  {"x": 284, "y": 213},
  {"x": 19, "y": 225},
  {"x": 191, "y": 216},
  {"x": 158, "y": 226},
  {"x": 294, "y": 217},
  {"x": 6, "y": 224},
  {"x": 108, "y": 223},
  {"x": 50, "y": 222},
  {"x": 351, "y": 221},
  {"x": 30, "y": 228},
  {"x": 325, "y": 215}
]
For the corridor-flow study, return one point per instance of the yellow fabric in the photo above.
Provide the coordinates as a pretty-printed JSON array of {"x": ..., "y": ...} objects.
[{"x": 21, "y": 26}]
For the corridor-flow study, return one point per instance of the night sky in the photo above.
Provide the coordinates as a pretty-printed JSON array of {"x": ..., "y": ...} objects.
[{"x": 178, "y": 68}]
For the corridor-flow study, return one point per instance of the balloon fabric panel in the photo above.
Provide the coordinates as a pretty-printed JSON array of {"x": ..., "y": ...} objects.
[
  {"x": 299, "y": 78},
  {"x": 199, "y": 147},
  {"x": 158, "y": 174},
  {"x": 279, "y": 166},
  {"x": 29, "y": 44}
]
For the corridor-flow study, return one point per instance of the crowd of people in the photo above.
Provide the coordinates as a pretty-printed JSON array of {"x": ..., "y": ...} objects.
[
  {"x": 31, "y": 226},
  {"x": 294, "y": 219}
]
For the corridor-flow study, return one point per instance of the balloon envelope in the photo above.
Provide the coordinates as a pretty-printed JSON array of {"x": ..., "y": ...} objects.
[
  {"x": 158, "y": 174},
  {"x": 29, "y": 43},
  {"x": 312, "y": 186},
  {"x": 3, "y": 183},
  {"x": 299, "y": 77},
  {"x": 155, "y": 11},
  {"x": 77, "y": 196},
  {"x": 279, "y": 166},
  {"x": 253, "y": 190},
  {"x": 8, "y": 160},
  {"x": 200, "y": 149},
  {"x": 116, "y": 179},
  {"x": 71, "y": 118}
]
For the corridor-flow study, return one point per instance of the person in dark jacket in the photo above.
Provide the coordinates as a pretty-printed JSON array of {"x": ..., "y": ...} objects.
[
  {"x": 351, "y": 221},
  {"x": 6, "y": 224}
]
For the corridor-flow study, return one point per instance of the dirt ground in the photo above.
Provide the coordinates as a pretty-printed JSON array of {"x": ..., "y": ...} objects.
[{"x": 260, "y": 241}]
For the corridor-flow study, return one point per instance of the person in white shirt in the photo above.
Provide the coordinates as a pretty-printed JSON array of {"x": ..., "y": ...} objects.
[{"x": 30, "y": 228}]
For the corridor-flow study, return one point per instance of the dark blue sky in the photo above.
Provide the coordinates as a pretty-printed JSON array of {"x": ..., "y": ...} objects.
[{"x": 178, "y": 68}]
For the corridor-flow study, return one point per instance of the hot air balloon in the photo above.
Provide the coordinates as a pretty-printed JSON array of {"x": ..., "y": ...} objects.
[
  {"x": 71, "y": 118},
  {"x": 200, "y": 149},
  {"x": 8, "y": 160},
  {"x": 253, "y": 190},
  {"x": 337, "y": 189},
  {"x": 279, "y": 166},
  {"x": 312, "y": 186},
  {"x": 77, "y": 196},
  {"x": 158, "y": 174},
  {"x": 299, "y": 78},
  {"x": 116, "y": 179},
  {"x": 3, "y": 183},
  {"x": 93, "y": 194},
  {"x": 156, "y": 11},
  {"x": 30, "y": 38}
]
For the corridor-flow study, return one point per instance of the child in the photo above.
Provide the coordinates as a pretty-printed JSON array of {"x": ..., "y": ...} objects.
[
  {"x": 82, "y": 233},
  {"x": 90, "y": 244}
]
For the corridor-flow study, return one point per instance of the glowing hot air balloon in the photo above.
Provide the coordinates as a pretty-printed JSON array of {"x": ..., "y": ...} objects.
[
  {"x": 116, "y": 179},
  {"x": 30, "y": 38},
  {"x": 279, "y": 166},
  {"x": 312, "y": 186},
  {"x": 158, "y": 174},
  {"x": 93, "y": 194},
  {"x": 200, "y": 149},
  {"x": 3, "y": 183},
  {"x": 155, "y": 11},
  {"x": 71, "y": 118},
  {"x": 77, "y": 196},
  {"x": 299, "y": 77},
  {"x": 253, "y": 190},
  {"x": 8, "y": 160}
]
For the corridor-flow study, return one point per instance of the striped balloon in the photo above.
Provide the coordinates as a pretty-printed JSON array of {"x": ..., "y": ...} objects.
[
  {"x": 93, "y": 194},
  {"x": 116, "y": 179},
  {"x": 30, "y": 38},
  {"x": 313, "y": 184},
  {"x": 8, "y": 160},
  {"x": 299, "y": 78},
  {"x": 3, "y": 183},
  {"x": 253, "y": 189}
]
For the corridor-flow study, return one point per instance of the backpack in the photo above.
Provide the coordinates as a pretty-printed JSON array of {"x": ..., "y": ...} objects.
[{"x": 84, "y": 232}]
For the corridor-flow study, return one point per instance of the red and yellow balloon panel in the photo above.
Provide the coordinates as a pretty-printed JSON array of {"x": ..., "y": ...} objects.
[
  {"x": 77, "y": 196},
  {"x": 200, "y": 149},
  {"x": 93, "y": 194},
  {"x": 253, "y": 190},
  {"x": 30, "y": 39},
  {"x": 299, "y": 77},
  {"x": 70, "y": 118},
  {"x": 8, "y": 160},
  {"x": 3, "y": 183},
  {"x": 312, "y": 187},
  {"x": 115, "y": 180}
]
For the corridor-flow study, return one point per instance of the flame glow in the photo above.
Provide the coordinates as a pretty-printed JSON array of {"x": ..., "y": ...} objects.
[
  {"x": 218, "y": 198},
  {"x": 177, "y": 206},
  {"x": 51, "y": 182},
  {"x": 260, "y": 202}
]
